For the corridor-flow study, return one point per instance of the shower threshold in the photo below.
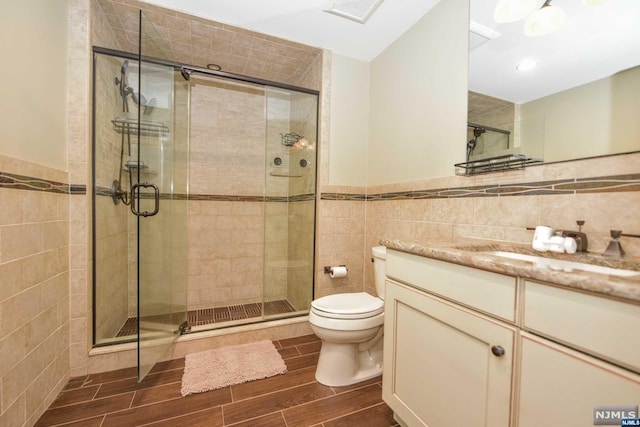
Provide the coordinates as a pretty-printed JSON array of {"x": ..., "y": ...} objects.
[{"x": 207, "y": 316}]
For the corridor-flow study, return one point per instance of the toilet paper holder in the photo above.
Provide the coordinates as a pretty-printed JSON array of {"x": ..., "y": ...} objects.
[{"x": 327, "y": 268}]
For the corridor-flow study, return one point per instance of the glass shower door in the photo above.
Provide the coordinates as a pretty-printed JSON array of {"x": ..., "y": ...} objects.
[
  {"x": 159, "y": 201},
  {"x": 291, "y": 135}
]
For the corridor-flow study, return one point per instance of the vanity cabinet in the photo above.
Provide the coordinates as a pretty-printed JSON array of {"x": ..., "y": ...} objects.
[
  {"x": 468, "y": 347},
  {"x": 561, "y": 387},
  {"x": 573, "y": 346},
  {"x": 446, "y": 365}
]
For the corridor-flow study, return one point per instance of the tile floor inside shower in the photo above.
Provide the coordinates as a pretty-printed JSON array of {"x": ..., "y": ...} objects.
[{"x": 206, "y": 316}]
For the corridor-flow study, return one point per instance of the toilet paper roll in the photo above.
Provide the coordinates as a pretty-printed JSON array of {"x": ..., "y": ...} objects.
[{"x": 337, "y": 272}]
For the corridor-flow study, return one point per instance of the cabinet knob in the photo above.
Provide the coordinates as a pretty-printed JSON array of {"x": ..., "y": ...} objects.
[{"x": 497, "y": 350}]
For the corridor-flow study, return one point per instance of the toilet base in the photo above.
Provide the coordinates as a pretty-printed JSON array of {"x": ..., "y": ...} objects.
[{"x": 346, "y": 364}]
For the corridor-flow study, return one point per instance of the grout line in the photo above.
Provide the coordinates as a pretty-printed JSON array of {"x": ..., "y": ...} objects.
[
  {"x": 177, "y": 416},
  {"x": 85, "y": 402},
  {"x": 349, "y": 413},
  {"x": 96, "y": 393},
  {"x": 135, "y": 392},
  {"x": 284, "y": 419},
  {"x": 272, "y": 392},
  {"x": 357, "y": 387},
  {"x": 77, "y": 420},
  {"x": 252, "y": 418}
]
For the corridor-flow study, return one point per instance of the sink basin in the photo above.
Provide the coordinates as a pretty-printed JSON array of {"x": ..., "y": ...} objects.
[{"x": 563, "y": 265}]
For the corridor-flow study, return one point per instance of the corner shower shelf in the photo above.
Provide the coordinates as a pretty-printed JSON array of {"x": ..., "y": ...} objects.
[
  {"x": 147, "y": 127},
  {"x": 495, "y": 164}
]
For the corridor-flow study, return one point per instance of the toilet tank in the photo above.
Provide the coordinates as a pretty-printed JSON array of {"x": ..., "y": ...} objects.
[{"x": 379, "y": 254}]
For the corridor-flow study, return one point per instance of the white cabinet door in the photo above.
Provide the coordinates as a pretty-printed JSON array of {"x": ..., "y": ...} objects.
[
  {"x": 440, "y": 369},
  {"x": 561, "y": 387}
]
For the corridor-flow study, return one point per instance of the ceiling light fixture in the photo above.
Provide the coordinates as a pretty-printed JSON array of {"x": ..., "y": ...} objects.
[
  {"x": 355, "y": 10},
  {"x": 526, "y": 65},
  {"x": 513, "y": 10},
  {"x": 545, "y": 20}
]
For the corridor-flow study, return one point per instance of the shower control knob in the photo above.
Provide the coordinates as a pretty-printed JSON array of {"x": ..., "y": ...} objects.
[{"x": 497, "y": 350}]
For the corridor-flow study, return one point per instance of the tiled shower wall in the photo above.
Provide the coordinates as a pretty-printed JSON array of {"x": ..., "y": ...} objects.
[
  {"x": 226, "y": 213},
  {"x": 227, "y": 158},
  {"x": 111, "y": 220},
  {"x": 34, "y": 289}
]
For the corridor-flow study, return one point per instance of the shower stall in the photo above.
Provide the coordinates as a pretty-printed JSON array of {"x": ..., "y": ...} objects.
[{"x": 204, "y": 189}]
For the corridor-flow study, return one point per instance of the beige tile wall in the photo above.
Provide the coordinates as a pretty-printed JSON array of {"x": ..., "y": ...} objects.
[
  {"x": 111, "y": 220},
  {"x": 341, "y": 240},
  {"x": 225, "y": 253},
  {"x": 34, "y": 296},
  {"x": 79, "y": 155},
  {"x": 197, "y": 41},
  {"x": 299, "y": 273},
  {"x": 227, "y": 153},
  {"x": 276, "y": 250},
  {"x": 112, "y": 267},
  {"x": 506, "y": 218}
]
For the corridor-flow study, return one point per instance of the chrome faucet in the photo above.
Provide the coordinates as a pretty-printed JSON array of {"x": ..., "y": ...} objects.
[{"x": 582, "y": 243}]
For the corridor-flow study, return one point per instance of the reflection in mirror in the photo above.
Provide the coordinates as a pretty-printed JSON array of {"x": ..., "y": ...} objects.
[{"x": 581, "y": 98}]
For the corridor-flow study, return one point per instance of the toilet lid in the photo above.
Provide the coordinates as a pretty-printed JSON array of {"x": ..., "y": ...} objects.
[{"x": 351, "y": 305}]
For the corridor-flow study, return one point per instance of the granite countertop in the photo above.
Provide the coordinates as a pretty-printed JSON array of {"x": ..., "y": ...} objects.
[{"x": 474, "y": 253}]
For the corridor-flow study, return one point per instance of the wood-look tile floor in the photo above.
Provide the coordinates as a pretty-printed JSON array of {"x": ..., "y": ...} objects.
[{"x": 293, "y": 399}]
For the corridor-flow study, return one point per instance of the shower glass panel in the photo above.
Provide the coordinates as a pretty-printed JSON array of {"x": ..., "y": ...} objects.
[
  {"x": 160, "y": 202},
  {"x": 290, "y": 201},
  {"x": 252, "y": 202},
  {"x": 140, "y": 186},
  {"x": 221, "y": 171}
]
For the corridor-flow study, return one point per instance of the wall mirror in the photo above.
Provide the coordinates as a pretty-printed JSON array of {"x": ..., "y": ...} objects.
[{"x": 580, "y": 96}]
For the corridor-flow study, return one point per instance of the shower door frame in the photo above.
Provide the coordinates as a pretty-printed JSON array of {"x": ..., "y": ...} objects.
[{"x": 188, "y": 70}]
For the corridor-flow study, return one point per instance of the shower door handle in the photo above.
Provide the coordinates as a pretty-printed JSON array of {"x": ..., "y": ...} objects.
[{"x": 156, "y": 197}]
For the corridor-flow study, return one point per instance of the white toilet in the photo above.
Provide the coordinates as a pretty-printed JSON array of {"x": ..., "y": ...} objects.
[{"x": 350, "y": 327}]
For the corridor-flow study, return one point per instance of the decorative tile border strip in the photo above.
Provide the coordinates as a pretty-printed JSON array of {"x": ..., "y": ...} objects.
[
  {"x": 106, "y": 192},
  {"x": 22, "y": 182},
  {"x": 607, "y": 184},
  {"x": 617, "y": 183},
  {"x": 343, "y": 196}
]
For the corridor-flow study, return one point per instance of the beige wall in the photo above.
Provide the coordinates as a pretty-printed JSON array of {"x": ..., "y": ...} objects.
[
  {"x": 418, "y": 99},
  {"x": 34, "y": 295},
  {"x": 33, "y": 109},
  {"x": 349, "y": 134},
  {"x": 589, "y": 120}
]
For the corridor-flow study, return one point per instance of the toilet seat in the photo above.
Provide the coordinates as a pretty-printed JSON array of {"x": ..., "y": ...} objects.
[{"x": 358, "y": 305}]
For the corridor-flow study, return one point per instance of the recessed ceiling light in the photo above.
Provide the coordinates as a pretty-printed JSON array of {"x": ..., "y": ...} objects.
[
  {"x": 526, "y": 65},
  {"x": 356, "y": 10}
]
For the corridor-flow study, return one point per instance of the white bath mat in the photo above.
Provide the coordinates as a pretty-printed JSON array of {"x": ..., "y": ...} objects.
[{"x": 214, "y": 369}]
